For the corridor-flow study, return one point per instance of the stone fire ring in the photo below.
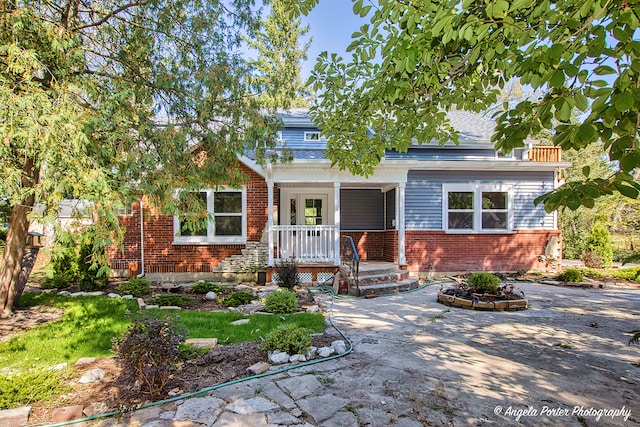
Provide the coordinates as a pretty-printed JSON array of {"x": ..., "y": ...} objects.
[{"x": 504, "y": 305}]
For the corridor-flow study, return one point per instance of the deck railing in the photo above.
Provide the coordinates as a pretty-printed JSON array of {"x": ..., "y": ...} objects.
[
  {"x": 545, "y": 154},
  {"x": 304, "y": 243}
]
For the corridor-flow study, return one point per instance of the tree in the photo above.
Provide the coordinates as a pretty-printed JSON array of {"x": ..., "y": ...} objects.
[
  {"x": 280, "y": 56},
  {"x": 415, "y": 60},
  {"x": 104, "y": 100}
]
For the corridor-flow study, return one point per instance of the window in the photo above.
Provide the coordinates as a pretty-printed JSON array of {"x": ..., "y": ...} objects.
[
  {"x": 312, "y": 136},
  {"x": 477, "y": 208},
  {"x": 225, "y": 219}
]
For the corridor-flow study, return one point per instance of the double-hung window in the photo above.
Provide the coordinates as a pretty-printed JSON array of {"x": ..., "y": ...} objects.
[
  {"x": 225, "y": 219},
  {"x": 477, "y": 208}
]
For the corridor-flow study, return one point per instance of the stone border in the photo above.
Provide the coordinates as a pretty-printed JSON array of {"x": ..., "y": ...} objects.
[{"x": 505, "y": 305}]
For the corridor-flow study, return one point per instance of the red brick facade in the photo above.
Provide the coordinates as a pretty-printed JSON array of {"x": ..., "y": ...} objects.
[
  {"x": 369, "y": 244},
  {"x": 161, "y": 255}
]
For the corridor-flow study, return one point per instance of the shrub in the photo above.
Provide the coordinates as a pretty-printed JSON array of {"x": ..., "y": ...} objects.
[
  {"x": 137, "y": 287},
  {"x": 172, "y": 299},
  {"x": 592, "y": 260},
  {"x": 92, "y": 276},
  {"x": 3, "y": 236},
  {"x": 288, "y": 274},
  {"x": 204, "y": 287},
  {"x": 281, "y": 302},
  {"x": 29, "y": 387},
  {"x": 289, "y": 338},
  {"x": 190, "y": 351},
  {"x": 599, "y": 241},
  {"x": 57, "y": 281},
  {"x": 235, "y": 299},
  {"x": 150, "y": 347},
  {"x": 483, "y": 283},
  {"x": 63, "y": 266},
  {"x": 571, "y": 275}
]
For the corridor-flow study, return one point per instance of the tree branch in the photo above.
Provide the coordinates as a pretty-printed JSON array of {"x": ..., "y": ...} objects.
[{"x": 110, "y": 15}]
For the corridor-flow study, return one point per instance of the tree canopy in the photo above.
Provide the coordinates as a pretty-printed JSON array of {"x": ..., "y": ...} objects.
[
  {"x": 413, "y": 61},
  {"x": 103, "y": 100}
]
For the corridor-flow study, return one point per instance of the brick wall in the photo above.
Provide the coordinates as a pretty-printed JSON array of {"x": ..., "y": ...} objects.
[
  {"x": 369, "y": 244},
  {"x": 440, "y": 252},
  {"x": 162, "y": 256},
  {"x": 390, "y": 246}
]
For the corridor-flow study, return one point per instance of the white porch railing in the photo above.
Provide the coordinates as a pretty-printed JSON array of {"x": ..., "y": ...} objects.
[{"x": 304, "y": 243}]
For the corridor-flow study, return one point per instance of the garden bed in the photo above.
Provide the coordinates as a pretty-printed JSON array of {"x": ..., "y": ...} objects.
[{"x": 479, "y": 304}]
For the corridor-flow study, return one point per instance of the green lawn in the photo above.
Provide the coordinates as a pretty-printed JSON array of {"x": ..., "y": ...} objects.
[{"x": 90, "y": 323}]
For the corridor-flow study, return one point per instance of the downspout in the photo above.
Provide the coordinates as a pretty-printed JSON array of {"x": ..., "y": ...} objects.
[{"x": 141, "y": 243}]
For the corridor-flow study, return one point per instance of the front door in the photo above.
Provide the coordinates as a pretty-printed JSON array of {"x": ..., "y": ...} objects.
[{"x": 310, "y": 211}]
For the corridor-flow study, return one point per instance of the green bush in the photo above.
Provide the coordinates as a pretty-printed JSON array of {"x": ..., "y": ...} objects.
[
  {"x": 150, "y": 348},
  {"x": 138, "y": 286},
  {"x": 281, "y": 302},
  {"x": 178, "y": 300},
  {"x": 599, "y": 242},
  {"x": 91, "y": 276},
  {"x": 483, "y": 283},
  {"x": 235, "y": 299},
  {"x": 3, "y": 236},
  {"x": 190, "y": 351},
  {"x": 63, "y": 266},
  {"x": 571, "y": 275},
  {"x": 289, "y": 338},
  {"x": 30, "y": 387},
  {"x": 57, "y": 281},
  {"x": 204, "y": 287}
]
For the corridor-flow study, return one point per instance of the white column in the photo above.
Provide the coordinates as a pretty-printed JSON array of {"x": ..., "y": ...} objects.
[
  {"x": 336, "y": 221},
  {"x": 400, "y": 221},
  {"x": 270, "y": 221}
]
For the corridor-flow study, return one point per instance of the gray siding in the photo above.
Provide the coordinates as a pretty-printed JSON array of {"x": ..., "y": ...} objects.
[
  {"x": 423, "y": 203},
  {"x": 361, "y": 210},
  {"x": 436, "y": 152},
  {"x": 390, "y": 209}
]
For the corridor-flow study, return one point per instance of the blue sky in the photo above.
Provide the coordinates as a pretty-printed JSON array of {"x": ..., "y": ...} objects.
[{"x": 331, "y": 24}]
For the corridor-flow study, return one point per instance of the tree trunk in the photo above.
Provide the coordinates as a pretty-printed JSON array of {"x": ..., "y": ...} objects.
[{"x": 16, "y": 241}]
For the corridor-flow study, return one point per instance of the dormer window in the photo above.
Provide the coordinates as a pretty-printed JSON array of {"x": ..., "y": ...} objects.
[
  {"x": 279, "y": 136},
  {"x": 312, "y": 136}
]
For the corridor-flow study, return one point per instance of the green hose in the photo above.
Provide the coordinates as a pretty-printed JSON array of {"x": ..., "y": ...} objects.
[{"x": 314, "y": 289}]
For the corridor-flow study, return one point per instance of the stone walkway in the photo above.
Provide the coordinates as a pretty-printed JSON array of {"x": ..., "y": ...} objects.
[{"x": 563, "y": 362}]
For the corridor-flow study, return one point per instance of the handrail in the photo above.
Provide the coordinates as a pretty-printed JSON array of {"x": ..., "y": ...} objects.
[{"x": 349, "y": 257}]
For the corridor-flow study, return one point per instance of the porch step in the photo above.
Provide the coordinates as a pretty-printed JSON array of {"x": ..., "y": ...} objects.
[
  {"x": 383, "y": 280},
  {"x": 389, "y": 288}
]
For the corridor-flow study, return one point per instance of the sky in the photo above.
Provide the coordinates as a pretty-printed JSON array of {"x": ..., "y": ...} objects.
[{"x": 331, "y": 24}]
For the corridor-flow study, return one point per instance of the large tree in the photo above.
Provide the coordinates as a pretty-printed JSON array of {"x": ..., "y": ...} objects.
[
  {"x": 414, "y": 60},
  {"x": 103, "y": 99}
]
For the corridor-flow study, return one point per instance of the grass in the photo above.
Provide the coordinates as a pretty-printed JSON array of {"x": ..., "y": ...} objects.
[
  {"x": 218, "y": 324},
  {"x": 628, "y": 273}
]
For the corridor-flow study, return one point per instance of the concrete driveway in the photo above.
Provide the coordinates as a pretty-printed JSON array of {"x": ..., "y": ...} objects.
[{"x": 563, "y": 362}]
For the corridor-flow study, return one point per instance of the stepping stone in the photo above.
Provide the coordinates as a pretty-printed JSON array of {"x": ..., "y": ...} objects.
[
  {"x": 202, "y": 342},
  {"x": 17, "y": 417},
  {"x": 66, "y": 413}
]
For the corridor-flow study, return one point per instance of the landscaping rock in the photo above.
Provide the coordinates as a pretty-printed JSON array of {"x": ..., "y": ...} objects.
[
  {"x": 94, "y": 294},
  {"x": 58, "y": 367},
  {"x": 297, "y": 358},
  {"x": 339, "y": 346},
  {"x": 78, "y": 294},
  {"x": 312, "y": 353},
  {"x": 112, "y": 295},
  {"x": 169, "y": 307},
  {"x": 84, "y": 361},
  {"x": 66, "y": 413},
  {"x": 64, "y": 293},
  {"x": 152, "y": 306},
  {"x": 278, "y": 357},
  {"x": 313, "y": 309},
  {"x": 240, "y": 322},
  {"x": 325, "y": 351},
  {"x": 141, "y": 303},
  {"x": 211, "y": 296},
  {"x": 96, "y": 408},
  {"x": 92, "y": 376},
  {"x": 127, "y": 297},
  {"x": 251, "y": 406},
  {"x": 258, "y": 368},
  {"x": 202, "y": 342},
  {"x": 17, "y": 417}
]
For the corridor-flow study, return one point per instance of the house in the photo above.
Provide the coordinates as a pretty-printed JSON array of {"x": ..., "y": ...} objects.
[{"x": 432, "y": 210}]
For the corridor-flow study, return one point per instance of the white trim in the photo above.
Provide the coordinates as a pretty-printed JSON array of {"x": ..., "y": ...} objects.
[
  {"x": 400, "y": 220},
  {"x": 251, "y": 164},
  {"x": 477, "y": 189},
  {"x": 270, "y": 223},
  {"x": 211, "y": 238},
  {"x": 336, "y": 221}
]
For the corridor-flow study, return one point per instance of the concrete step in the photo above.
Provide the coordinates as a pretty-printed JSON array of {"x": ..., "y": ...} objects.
[
  {"x": 379, "y": 278},
  {"x": 385, "y": 288}
]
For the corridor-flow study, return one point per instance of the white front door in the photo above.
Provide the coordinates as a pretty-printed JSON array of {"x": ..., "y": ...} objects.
[{"x": 307, "y": 213}]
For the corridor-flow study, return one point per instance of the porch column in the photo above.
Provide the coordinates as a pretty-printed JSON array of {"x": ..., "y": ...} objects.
[
  {"x": 270, "y": 221},
  {"x": 336, "y": 221},
  {"x": 402, "y": 260}
]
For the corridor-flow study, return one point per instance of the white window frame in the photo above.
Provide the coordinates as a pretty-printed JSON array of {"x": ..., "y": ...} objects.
[
  {"x": 477, "y": 189},
  {"x": 307, "y": 139},
  {"x": 211, "y": 237}
]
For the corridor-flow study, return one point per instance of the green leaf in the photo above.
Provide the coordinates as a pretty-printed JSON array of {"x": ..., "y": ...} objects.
[
  {"x": 626, "y": 190},
  {"x": 586, "y": 132},
  {"x": 557, "y": 79},
  {"x": 604, "y": 70},
  {"x": 582, "y": 103},
  {"x": 586, "y": 170},
  {"x": 623, "y": 101}
]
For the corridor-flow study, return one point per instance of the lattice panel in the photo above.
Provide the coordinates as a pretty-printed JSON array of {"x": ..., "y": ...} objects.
[
  {"x": 305, "y": 277},
  {"x": 324, "y": 276},
  {"x": 275, "y": 277}
]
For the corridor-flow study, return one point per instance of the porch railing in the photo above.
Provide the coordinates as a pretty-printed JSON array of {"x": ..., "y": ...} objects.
[{"x": 304, "y": 243}]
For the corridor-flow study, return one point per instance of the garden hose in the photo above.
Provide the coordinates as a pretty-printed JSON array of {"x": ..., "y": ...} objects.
[{"x": 324, "y": 288}]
